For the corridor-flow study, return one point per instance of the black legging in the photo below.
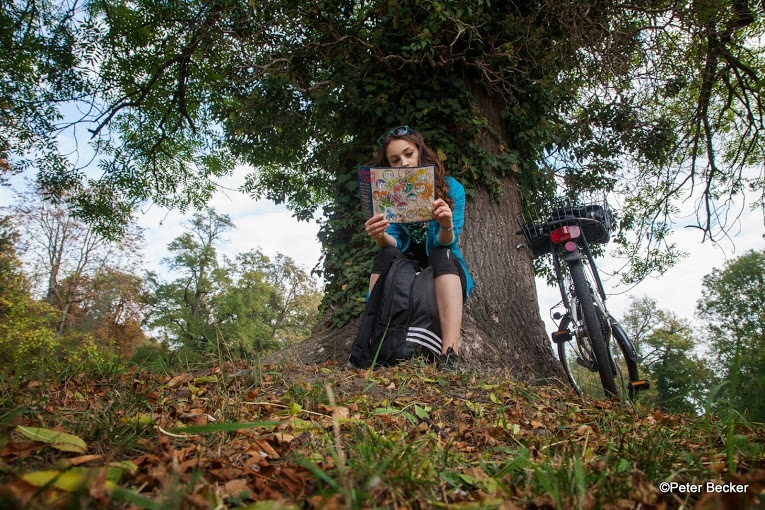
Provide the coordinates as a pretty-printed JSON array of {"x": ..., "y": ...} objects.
[{"x": 441, "y": 259}]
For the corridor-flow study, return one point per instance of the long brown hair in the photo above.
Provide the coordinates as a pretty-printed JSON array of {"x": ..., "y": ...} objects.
[{"x": 427, "y": 157}]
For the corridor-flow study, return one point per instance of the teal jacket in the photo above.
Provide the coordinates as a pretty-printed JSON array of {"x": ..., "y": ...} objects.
[{"x": 457, "y": 194}]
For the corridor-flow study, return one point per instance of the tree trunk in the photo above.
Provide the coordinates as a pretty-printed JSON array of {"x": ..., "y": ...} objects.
[
  {"x": 502, "y": 326},
  {"x": 502, "y": 329}
]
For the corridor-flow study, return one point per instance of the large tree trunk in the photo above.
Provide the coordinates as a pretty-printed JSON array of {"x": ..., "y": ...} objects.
[
  {"x": 502, "y": 329},
  {"x": 502, "y": 326}
]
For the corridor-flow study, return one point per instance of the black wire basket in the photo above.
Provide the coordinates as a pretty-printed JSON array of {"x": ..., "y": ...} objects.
[{"x": 592, "y": 217}]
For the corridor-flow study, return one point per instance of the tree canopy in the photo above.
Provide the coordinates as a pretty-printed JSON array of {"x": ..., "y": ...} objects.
[
  {"x": 733, "y": 308},
  {"x": 659, "y": 101}
]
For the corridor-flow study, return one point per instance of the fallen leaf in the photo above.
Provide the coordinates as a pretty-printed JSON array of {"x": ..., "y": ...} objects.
[
  {"x": 68, "y": 481},
  {"x": 58, "y": 440},
  {"x": 141, "y": 419},
  {"x": 83, "y": 459},
  {"x": 176, "y": 381},
  {"x": 238, "y": 488}
]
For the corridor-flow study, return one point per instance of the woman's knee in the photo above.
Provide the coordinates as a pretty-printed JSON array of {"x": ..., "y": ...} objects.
[
  {"x": 444, "y": 262},
  {"x": 384, "y": 257}
]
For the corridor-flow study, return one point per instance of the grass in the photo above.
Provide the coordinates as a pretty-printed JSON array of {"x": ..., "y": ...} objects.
[{"x": 299, "y": 436}]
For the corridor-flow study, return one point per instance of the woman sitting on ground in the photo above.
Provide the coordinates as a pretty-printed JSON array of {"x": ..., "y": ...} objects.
[{"x": 431, "y": 243}]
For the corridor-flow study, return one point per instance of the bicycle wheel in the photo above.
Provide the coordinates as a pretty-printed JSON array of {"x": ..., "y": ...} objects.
[
  {"x": 577, "y": 357},
  {"x": 593, "y": 324}
]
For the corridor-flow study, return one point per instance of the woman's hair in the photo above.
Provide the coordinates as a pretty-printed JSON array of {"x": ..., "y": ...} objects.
[{"x": 427, "y": 157}]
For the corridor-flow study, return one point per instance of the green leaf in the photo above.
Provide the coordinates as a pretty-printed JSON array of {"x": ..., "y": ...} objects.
[
  {"x": 422, "y": 413},
  {"x": 206, "y": 379},
  {"x": 59, "y": 440}
]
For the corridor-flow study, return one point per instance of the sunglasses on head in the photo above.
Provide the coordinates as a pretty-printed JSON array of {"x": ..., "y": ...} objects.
[{"x": 397, "y": 131}]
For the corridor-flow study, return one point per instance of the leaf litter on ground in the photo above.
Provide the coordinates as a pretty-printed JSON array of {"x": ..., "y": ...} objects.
[{"x": 307, "y": 436}]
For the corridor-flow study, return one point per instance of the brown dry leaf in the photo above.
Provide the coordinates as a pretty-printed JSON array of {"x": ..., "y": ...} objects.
[
  {"x": 333, "y": 502},
  {"x": 293, "y": 481},
  {"x": 238, "y": 488},
  {"x": 83, "y": 459},
  {"x": 196, "y": 418},
  {"x": 17, "y": 492},
  {"x": 97, "y": 489},
  {"x": 509, "y": 505},
  {"x": 284, "y": 437},
  {"x": 342, "y": 411},
  {"x": 20, "y": 448},
  {"x": 267, "y": 448}
]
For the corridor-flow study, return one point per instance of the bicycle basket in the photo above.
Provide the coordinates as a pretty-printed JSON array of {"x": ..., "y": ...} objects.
[{"x": 594, "y": 219}]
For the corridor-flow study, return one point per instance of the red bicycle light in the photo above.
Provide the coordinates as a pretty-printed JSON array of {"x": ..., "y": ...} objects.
[
  {"x": 570, "y": 246},
  {"x": 562, "y": 234}
]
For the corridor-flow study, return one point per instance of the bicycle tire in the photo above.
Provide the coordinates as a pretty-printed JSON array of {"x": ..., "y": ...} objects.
[{"x": 594, "y": 328}]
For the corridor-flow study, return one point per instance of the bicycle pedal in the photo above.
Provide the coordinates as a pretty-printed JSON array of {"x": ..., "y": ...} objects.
[
  {"x": 641, "y": 384},
  {"x": 561, "y": 336}
]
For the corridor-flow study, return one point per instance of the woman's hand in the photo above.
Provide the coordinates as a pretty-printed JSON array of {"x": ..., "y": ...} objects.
[
  {"x": 442, "y": 213},
  {"x": 376, "y": 226}
]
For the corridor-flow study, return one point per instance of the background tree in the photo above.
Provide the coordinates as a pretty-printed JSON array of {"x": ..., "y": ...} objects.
[
  {"x": 63, "y": 252},
  {"x": 242, "y": 309},
  {"x": 28, "y": 341},
  {"x": 733, "y": 308},
  {"x": 111, "y": 310},
  {"x": 187, "y": 312},
  {"x": 519, "y": 99},
  {"x": 267, "y": 302},
  {"x": 293, "y": 300},
  {"x": 249, "y": 304},
  {"x": 673, "y": 359}
]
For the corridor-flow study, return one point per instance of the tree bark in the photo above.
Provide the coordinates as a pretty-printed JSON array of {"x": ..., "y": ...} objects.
[{"x": 502, "y": 327}]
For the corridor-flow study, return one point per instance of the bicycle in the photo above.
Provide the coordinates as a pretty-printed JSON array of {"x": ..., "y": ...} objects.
[{"x": 585, "y": 331}]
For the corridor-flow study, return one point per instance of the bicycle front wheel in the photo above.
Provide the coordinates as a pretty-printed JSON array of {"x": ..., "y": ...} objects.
[{"x": 593, "y": 328}]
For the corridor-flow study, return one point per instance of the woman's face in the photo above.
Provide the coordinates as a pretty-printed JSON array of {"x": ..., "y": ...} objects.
[{"x": 402, "y": 152}]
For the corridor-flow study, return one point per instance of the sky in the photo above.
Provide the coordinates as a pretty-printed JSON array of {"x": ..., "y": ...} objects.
[{"x": 262, "y": 224}]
